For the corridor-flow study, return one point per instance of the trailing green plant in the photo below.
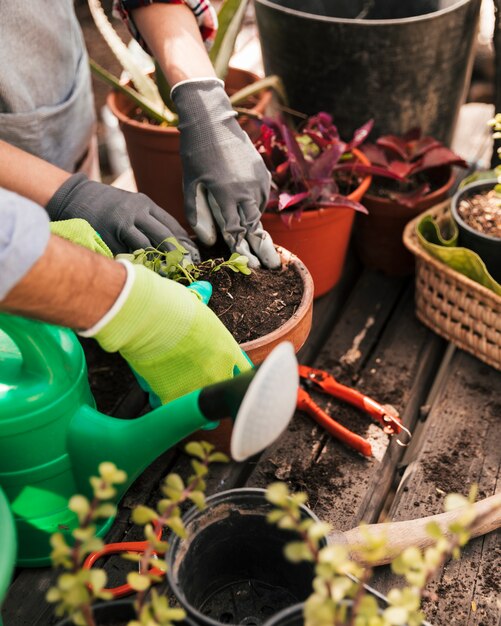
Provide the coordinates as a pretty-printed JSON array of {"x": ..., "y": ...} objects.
[
  {"x": 176, "y": 264},
  {"x": 340, "y": 596},
  {"x": 153, "y": 97},
  {"x": 78, "y": 587}
]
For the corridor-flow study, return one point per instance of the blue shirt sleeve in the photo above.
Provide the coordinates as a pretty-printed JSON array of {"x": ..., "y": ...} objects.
[{"x": 24, "y": 235}]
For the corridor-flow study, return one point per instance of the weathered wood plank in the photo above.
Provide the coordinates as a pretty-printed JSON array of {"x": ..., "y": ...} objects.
[
  {"x": 460, "y": 447},
  {"x": 379, "y": 346}
]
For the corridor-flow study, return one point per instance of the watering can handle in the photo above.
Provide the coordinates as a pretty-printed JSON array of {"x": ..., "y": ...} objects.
[{"x": 36, "y": 341}]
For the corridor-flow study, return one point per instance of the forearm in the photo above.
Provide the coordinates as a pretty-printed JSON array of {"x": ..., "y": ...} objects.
[
  {"x": 173, "y": 36},
  {"x": 28, "y": 175},
  {"x": 68, "y": 286}
]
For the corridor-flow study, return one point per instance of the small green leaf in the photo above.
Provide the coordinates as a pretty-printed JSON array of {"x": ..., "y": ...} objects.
[
  {"x": 143, "y": 515},
  {"x": 194, "y": 448},
  {"x": 138, "y": 582}
]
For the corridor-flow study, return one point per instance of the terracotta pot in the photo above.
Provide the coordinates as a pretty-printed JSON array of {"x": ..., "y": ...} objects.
[
  {"x": 378, "y": 235},
  {"x": 154, "y": 150},
  {"x": 320, "y": 237},
  {"x": 296, "y": 330}
]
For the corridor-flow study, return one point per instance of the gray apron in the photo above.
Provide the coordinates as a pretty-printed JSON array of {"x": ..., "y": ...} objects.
[{"x": 46, "y": 101}]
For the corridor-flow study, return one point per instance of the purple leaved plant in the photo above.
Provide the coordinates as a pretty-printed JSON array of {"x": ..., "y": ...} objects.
[
  {"x": 311, "y": 168},
  {"x": 412, "y": 161}
]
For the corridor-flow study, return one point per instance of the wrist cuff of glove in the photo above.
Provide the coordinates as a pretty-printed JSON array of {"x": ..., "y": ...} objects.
[
  {"x": 56, "y": 205},
  {"x": 201, "y": 102},
  {"x": 118, "y": 304}
]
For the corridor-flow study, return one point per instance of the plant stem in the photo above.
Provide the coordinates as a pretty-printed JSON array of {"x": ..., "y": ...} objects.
[
  {"x": 104, "y": 75},
  {"x": 160, "y": 523}
]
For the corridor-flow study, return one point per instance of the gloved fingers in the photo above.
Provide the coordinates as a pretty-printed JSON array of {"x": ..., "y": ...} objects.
[
  {"x": 233, "y": 231},
  {"x": 157, "y": 233},
  {"x": 258, "y": 239},
  {"x": 134, "y": 239},
  {"x": 198, "y": 214}
]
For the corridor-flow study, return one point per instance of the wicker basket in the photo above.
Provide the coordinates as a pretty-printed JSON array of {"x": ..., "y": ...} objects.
[{"x": 453, "y": 305}]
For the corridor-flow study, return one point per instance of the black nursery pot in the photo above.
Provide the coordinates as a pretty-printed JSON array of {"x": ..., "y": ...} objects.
[
  {"x": 405, "y": 63},
  {"x": 231, "y": 569},
  {"x": 487, "y": 247},
  {"x": 292, "y": 616},
  {"x": 115, "y": 613}
]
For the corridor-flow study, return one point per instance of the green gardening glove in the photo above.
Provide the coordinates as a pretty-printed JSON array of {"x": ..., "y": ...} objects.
[
  {"x": 168, "y": 336},
  {"x": 80, "y": 232}
]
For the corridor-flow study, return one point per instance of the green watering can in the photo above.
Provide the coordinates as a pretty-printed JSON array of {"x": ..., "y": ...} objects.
[
  {"x": 7, "y": 546},
  {"x": 52, "y": 438}
]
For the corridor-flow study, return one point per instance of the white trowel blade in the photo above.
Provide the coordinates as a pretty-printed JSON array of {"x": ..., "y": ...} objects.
[{"x": 268, "y": 405}]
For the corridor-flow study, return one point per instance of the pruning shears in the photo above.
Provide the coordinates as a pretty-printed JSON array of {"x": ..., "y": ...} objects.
[{"x": 386, "y": 415}]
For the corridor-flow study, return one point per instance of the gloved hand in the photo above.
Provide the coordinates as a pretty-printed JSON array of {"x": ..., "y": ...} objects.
[
  {"x": 81, "y": 232},
  {"x": 168, "y": 336},
  {"x": 225, "y": 180},
  {"x": 126, "y": 221}
]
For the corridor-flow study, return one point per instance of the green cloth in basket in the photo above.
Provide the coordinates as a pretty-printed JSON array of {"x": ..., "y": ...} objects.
[{"x": 440, "y": 240}]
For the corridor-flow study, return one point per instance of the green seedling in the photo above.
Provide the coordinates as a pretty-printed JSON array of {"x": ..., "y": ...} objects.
[
  {"x": 77, "y": 588},
  {"x": 176, "y": 265},
  {"x": 339, "y": 596}
]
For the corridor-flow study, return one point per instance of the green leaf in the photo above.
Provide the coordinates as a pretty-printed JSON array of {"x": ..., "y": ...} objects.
[
  {"x": 194, "y": 448},
  {"x": 454, "y": 501},
  {"x": 175, "y": 481},
  {"x": 177, "y": 526},
  {"x": 219, "y": 457},
  {"x": 230, "y": 17},
  {"x": 138, "y": 582},
  {"x": 297, "y": 551},
  {"x": 143, "y": 515},
  {"x": 277, "y": 493},
  {"x": 444, "y": 248},
  {"x": 198, "y": 499}
]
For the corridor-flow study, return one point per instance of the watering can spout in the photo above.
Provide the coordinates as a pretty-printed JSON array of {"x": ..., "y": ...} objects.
[
  {"x": 261, "y": 403},
  {"x": 52, "y": 439}
]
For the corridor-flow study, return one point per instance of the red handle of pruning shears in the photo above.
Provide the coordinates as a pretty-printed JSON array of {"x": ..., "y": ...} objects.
[
  {"x": 115, "y": 548},
  {"x": 306, "y": 404},
  {"x": 385, "y": 415}
]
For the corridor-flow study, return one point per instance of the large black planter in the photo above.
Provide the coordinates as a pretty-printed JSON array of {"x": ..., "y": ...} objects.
[
  {"x": 407, "y": 63},
  {"x": 231, "y": 569}
]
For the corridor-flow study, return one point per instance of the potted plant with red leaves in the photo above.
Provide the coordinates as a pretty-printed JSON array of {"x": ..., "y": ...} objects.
[
  {"x": 315, "y": 192},
  {"x": 417, "y": 174}
]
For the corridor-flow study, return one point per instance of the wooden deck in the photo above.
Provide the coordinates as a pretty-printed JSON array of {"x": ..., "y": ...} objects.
[{"x": 366, "y": 334}]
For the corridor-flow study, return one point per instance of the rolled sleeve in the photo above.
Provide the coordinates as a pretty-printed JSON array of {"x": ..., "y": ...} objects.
[
  {"x": 24, "y": 235},
  {"x": 204, "y": 12}
]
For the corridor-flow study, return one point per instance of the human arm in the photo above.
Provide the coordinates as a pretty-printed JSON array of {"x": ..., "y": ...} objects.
[
  {"x": 226, "y": 184},
  {"x": 176, "y": 343},
  {"x": 125, "y": 221}
]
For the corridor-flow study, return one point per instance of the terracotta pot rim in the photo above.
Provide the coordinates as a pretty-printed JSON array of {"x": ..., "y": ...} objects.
[
  {"x": 123, "y": 114},
  {"x": 428, "y": 200},
  {"x": 306, "y": 302}
]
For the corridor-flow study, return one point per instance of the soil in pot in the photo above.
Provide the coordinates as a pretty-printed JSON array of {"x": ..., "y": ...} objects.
[
  {"x": 251, "y": 306},
  {"x": 482, "y": 212}
]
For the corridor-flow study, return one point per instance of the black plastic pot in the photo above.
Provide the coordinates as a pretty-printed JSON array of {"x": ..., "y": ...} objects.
[
  {"x": 231, "y": 569},
  {"x": 292, "y": 616},
  {"x": 115, "y": 613},
  {"x": 487, "y": 247},
  {"x": 407, "y": 63}
]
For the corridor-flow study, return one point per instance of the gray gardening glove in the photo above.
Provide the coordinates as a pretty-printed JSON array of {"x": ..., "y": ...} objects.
[
  {"x": 126, "y": 221},
  {"x": 225, "y": 180}
]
